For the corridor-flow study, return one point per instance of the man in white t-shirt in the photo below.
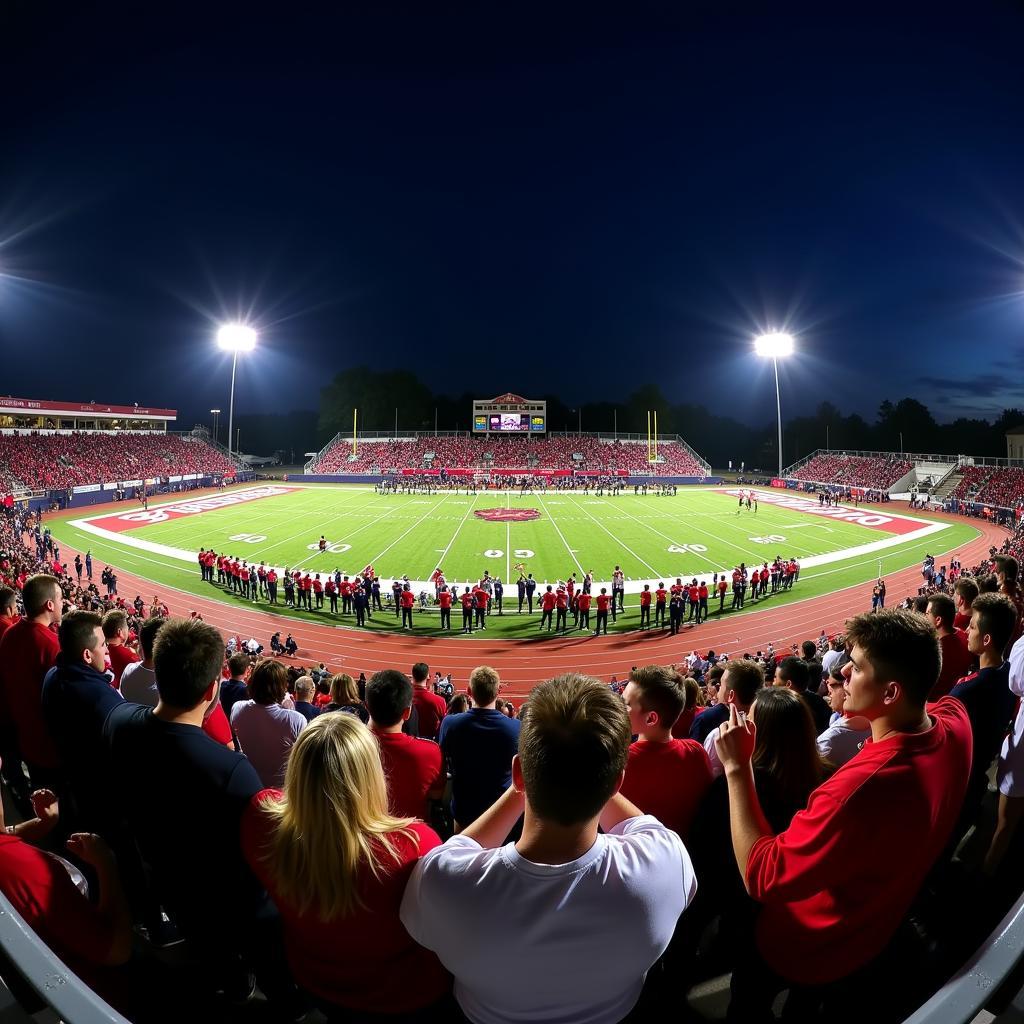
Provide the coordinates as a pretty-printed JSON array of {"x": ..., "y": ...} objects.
[{"x": 546, "y": 902}]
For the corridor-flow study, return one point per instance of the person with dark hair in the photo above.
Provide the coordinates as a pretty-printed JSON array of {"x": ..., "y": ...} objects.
[
  {"x": 1007, "y": 572},
  {"x": 8, "y": 609},
  {"x": 793, "y": 674},
  {"x": 28, "y": 650},
  {"x": 430, "y": 708},
  {"x": 741, "y": 680},
  {"x": 635, "y": 872},
  {"x": 829, "y": 912},
  {"x": 138, "y": 680},
  {"x": 183, "y": 796},
  {"x": 115, "y": 629},
  {"x": 412, "y": 766},
  {"x": 956, "y": 658},
  {"x": 986, "y": 693},
  {"x": 235, "y": 688},
  {"x": 966, "y": 591},
  {"x": 665, "y": 777},
  {"x": 266, "y": 730},
  {"x": 479, "y": 746}
]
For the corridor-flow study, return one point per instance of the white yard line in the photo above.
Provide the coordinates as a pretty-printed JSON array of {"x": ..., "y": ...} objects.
[
  {"x": 629, "y": 551},
  {"x": 508, "y": 543},
  {"x": 426, "y": 515},
  {"x": 559, "y": 532},
  {"x": 665, "y": 536}
]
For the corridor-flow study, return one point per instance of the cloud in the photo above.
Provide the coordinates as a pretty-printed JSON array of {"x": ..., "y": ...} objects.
[{"x": 981, "y": 385}]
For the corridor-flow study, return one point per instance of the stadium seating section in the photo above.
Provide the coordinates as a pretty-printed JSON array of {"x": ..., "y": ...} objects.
[
  {"x": 853, "y": 470},
  {"x": 43, "y": 461},
  {"x": 505, "y": 453},
  {"x": 1001, "y": 487}
]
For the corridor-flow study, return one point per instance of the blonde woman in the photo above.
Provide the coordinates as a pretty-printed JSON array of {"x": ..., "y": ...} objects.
[
  {"x": 345, "y": 697},
  {"x": 336, "y": 864}
]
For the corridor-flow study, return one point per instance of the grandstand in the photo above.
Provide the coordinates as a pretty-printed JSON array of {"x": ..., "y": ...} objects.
[{"x": 590, "y": 453}]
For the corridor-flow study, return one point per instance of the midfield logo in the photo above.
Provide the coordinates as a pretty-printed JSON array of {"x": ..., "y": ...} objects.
[{"x": 507, "y": 515}]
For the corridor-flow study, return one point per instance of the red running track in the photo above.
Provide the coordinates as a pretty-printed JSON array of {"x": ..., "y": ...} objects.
[{"x": 524, "y": 663}]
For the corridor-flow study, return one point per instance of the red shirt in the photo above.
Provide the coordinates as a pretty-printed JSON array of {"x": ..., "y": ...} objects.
[
  {"x": 216, "y": 725},
  {"x": 602, "y": 602},
  {"x": 702, "y": 590},
  {"x": 962, "y": 620},
  {"x": 365, "y": 961},
  {"x": 547, "y": 602},
  {"x": 318, "y": 587},
  {"x": 722, "y": 586},
  {"x": 467, "y": 600},
  {"x": 480, "y": 596},
  {"x": 345, "y": 589},
  {"x": 694, "y": 594},
  {"x": 837, "y": 883},
  {"x": 430, "y": 709},
  {"x": 444, "y": 599},
  {"x": 681, "y": 727},
  {"x": 645, "y": 602},
  {"x": 408, "y": 599},
  {"x": 956, "y": 663},
  {"x": 27, "y": 652},
  {"x": 413, "y": 767},
  {"x": 120, "y": 658},
  {"x": 584, "y": 600},
  {"x": 6, "y": 621},
  {"x": 661, "y": 594},
  {"x": 668, "y": 780},
  {"x": 561, "y": 599},
  {"x": 41, "y": 890}
]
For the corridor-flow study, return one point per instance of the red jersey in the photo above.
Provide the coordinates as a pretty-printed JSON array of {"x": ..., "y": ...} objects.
[
  {"x": 444, "y": 599},
  {"x": 365, "y": 961},
  {"x": 962, "y": 620},
  {"x": 27, "y": 652},
  {"x": 702, "y": 591},
  {"x": 584, "y": 600},
  {"x": 345, "y": 589},
  {"x": 668, "y": 780},
  {"x": 216, "y": 726},
  {"x": 6, "y": 621},
  {"x": 408, "y": 599},
  {"x": 430, "y": 709},
  {"x": 547, "y": 602},
  {"x": 120, "y": 658},
  {"x": 271, "y": 576},
  {"x": 330, "y": 589},
  {"x": 467, "y": 600},
  {"x": 602, "y": 602},
  {"x": 412, "y": 767},
  {"x": 837, "y": 883},
  {"x": 480, "y": 597},
  {"x": 661, "y": 593},
  {"x": 694, "y": 593},
  {"x": 645, "y": 602},
  {"x": 722, "y": 585},
  {"x": 318, "y": 587},
  {"x": 561, "y": 599},
  {"x": 676, "y": 588},
  {"x": 956, "y": 663},
  {"x": 306, "y": 583}
]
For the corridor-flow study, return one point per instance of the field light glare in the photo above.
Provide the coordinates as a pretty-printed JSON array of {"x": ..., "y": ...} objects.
[
  {"x": 775, "y": 345},
  {"x": 236, "y": 338}
]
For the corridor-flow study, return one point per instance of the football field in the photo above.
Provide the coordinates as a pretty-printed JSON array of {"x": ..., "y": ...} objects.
[{"x": 653, "y": 538}]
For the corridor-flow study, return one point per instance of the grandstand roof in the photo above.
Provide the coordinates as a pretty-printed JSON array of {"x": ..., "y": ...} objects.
[{"x": 20, "y": 406}]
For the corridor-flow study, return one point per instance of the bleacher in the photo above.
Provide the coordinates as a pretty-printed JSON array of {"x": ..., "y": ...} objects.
[
  {"x": 878, "y": 472},
  {"x": 61, "y": 460},
  {"x": 585, "y": 452}
]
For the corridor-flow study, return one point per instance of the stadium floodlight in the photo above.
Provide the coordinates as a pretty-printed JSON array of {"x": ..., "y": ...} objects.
[
  {"x": 235, "y": 338},
  {"x": 775, "y": 345}
]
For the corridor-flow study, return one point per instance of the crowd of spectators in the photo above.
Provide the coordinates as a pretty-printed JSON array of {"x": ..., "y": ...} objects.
[
  {"x": 366, "y": 848},
  {"x": 987, "y": 485},
  {"x": 873, "y": 472},
  {"x": 579, "y": 452},
  {"x": 59, "y": 461}
]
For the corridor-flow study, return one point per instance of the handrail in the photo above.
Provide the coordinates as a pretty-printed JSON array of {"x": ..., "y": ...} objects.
[
  {"x": 48, "y": 975},
  {"x": 969, "y": 990}
]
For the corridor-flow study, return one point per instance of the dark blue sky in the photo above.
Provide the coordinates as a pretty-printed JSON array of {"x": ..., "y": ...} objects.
[{"x": 515, "y": 198}]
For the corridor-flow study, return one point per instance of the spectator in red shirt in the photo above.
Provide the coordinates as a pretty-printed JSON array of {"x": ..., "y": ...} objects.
[
  {"x": 836, "y": 885},
  {"x": 665, "y": 777},
  {"x": 412, "y": 767},
  {"x": 957, "y": 661},
  {"x": 338, "y": 879},
  {"x": 966, "y": 591},
  {"x": 28, "y": 650},
  {"x": 115, "y": 629},
  {"x": 430, "y": 707},
  {"x": 8, "y": 609}
]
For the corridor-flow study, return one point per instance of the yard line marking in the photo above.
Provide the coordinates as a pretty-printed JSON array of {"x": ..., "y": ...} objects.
[
  {"x": 426, "y": 515},
  {"x": 508, "y": 542},
  {"x": 559, "y": 532},
  {"x": 619, "y": 542}
]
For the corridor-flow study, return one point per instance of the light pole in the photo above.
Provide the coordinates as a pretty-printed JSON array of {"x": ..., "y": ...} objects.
[
  {"x": 235, "y": 338},
  {"x": 775, "y": 346},
  {"x": 216, "y": 421}
]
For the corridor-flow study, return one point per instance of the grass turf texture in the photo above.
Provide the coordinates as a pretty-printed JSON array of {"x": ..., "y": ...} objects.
[{"x": 650, "y": 537}]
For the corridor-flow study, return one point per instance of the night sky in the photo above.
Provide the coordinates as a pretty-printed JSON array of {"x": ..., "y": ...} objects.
[{"x": 506, "y": 197}]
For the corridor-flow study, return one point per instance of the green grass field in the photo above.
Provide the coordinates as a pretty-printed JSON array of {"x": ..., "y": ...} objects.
[{"x": 652, "y": 538}]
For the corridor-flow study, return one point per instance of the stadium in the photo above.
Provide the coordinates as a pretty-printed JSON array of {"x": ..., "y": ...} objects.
[{"x": 511, "y": 515}]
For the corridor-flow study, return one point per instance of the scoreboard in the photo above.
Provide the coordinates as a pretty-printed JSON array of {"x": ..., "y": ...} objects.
[{"x": 509, "y": 414}]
